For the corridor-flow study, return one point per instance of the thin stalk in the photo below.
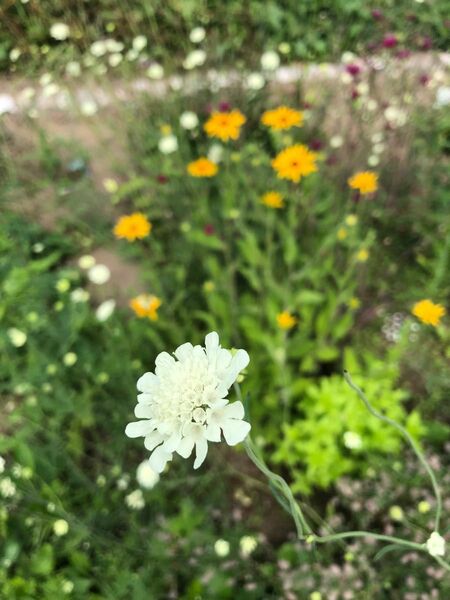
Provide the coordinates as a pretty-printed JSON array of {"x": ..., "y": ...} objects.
[{"x": 409, "y": 439}]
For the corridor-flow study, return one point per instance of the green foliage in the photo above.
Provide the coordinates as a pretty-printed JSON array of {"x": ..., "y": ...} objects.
[
  {"x": 334, "y": 435},
  {"x": 313, "y": 30}
]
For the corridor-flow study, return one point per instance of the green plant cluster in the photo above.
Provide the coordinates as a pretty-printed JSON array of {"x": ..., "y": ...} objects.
[{"x": 316, "y": 30}]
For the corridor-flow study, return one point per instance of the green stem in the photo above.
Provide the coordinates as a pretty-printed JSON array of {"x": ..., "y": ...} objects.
[
  {"x": 409, "y": 439},
  {"x": 323, "y": 539},
  {"x": 281, "y": 486}
]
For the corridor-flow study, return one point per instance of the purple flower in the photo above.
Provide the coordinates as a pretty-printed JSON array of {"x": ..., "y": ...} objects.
[{"x": 390, "y": 40}]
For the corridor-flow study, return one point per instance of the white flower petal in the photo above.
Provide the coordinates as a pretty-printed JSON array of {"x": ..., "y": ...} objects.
[
  {"x": 212, "y": 433},
  {"x": 238, "y": 364},
  {"x": 235, "y": 431},
  {"x": 152, "y": 440},
  {"x": 147, "y": 382},
  {"x": 144, "y": 398},
  {"x": 201, "y": 450},
  {"x": 143, "y": 411},
  {"x": 212, "y": 341},
  {"x": 159, "y": 458},
  {"x": 172, "y": 443},
  {"x": 164, "y": 361},
  {"x": 184, "y": 351},
  {"x": 139, "y": 429},
  {"x": 185, "y": 447},
  {"x": 234, "y": 410}
]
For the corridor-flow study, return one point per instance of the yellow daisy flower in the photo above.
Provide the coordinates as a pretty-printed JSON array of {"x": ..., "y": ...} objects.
[
  {"x": 225, "y": 125},
  {"x": 362, "y": 255},
  {"x": 366, "y": 182},
  {"x": 273, "y": 200},
  {"x": 285, "y": 320},
  {"x": 202, "y": 167},
  {"x": 342, "y": 233},
  {"x": 146, "y": 305},
  {"x": 132, "y": 227},
  {"x": 295, "y": 162},
  {"x": 428, "y": 312},
  {"x": 282, "y": 117}
]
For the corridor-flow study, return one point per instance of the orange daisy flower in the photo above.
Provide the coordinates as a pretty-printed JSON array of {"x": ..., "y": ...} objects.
[
  {"x": 202, "y": 167},
  {"x": 295, "y": 162},
  {"x": 428, "y": 312},
  {"x": 225, "y": 125},
  {"x": 282, "y": 117},
  {"x": 132, "y": 227},
  {"x": 146, "y": 305},
  {"x": 366, "y": 182},
  {"x": 285, "y": 320},
  {"x": 273, "y": 200}
]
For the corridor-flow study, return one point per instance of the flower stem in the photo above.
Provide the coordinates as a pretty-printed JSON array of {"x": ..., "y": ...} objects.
[
  {"x": 409, "y": 439},
  {"x": 281, "y": 486}
]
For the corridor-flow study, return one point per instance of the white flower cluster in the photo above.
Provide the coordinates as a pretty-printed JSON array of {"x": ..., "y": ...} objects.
[{"x": 184, "y": 403}]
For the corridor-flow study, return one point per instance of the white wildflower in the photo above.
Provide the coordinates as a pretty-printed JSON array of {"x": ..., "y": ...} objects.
[
  {"x": 98, "y": 48},
  {"x": 135, "y": 500},
  {"x": 168, "y": 144},
  {"x": 99, "y": 274},
  {"x": 2, "y": 464},
  {"x": 442, "y": 96},
  {"x": 139, "y": 43},
  {"x": 197, "y": 35},
  {"x": 7, "y": 104},
  {"x": 184, "y": 403},
  {"x": 247, "y": 544},
  {"x": 196, "y": 58},
  {"x": 270, "y": 60},
  {"x": 115, "y": 59},
  {"x": 59, "y": 31},
  {"x": 188, "y": 120},
  {"x": 105, "y": 310},
  {"x": 79, "y": 295},
  {"x": 73, "y": 68},
  {"x": 60, "y": 527},
  {"x": 69, "y": 359},
  {"x": 222, "y": 548},
  {"x": 86, "y": 261},
  {"x": 146, "y": 477},
  {"x": 435, "y": 544},
  {"x": 7, "y": 487},
  {"x": 18, "y": 338},
  {"x": 88, "y": 108},
  {"x": 352, "y": 440},
  {"x": 255, "y": 81},
  {"x": 215, "y": 153},
  {"x": 155, "y": 71}
]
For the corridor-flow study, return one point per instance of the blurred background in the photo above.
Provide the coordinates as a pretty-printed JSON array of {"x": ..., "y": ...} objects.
[{"x": 314, "y": 233}]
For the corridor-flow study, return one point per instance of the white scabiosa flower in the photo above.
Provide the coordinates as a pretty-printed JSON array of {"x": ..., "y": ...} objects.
[
  {"x": 255, "y": 81},
  {"x": 59, "y": 31},
  {"x": 194, "y": 59},
  {"x": 99, "y": 274},
  {"x": 135, "y": 500},
  {"x": 270, "y": 60},
  {"x": 168, "y": 144},
  {"x": 18, "y": 338},
  {"x": 184, "y": 402},
  {"x": 155, "y": 71},
  {"x": 197, "y": 35},
  {"x": 139, "y": 43},
  {"x": 146, "y": 477},
  {"x": 435, "y": 544},
  {"x": 442, "y": 96},
  {"x": 105, "y": 310},
  {"x": 188, "y": 120}
]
